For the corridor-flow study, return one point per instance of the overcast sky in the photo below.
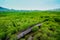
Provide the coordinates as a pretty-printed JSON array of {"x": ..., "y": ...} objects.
[{"x": 30, "y": 4}]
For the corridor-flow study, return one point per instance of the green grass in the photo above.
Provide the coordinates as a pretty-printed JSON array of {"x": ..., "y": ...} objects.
[{"x": 14, "y": 22}]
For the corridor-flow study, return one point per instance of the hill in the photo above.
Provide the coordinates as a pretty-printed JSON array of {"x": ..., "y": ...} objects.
[{"x": 4, "y": 9}]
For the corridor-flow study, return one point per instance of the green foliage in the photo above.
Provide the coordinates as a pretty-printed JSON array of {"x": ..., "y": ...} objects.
[
  {"x": 35, "y": 29},
  {"x": 13, "y": 22}
]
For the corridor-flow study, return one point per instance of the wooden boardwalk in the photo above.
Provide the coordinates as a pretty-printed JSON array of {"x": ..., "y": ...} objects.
[{"x": 20, "y": 35}]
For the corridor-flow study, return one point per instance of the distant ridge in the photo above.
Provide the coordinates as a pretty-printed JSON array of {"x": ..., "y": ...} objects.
[
  {"x": 58, "y": 9},
  {"x": 4, "y": 9}
]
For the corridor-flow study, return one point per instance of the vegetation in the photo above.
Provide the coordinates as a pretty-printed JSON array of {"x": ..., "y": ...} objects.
[{"x": 13, "y": 22}]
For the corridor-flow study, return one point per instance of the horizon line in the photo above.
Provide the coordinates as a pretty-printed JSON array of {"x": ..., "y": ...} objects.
[{"x": 29, "y": 8}]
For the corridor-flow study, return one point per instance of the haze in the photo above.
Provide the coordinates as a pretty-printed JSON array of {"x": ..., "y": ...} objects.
[{"x": 30, "y": 4}]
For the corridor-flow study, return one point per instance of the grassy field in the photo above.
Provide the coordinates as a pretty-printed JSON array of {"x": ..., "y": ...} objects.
[{"x": 13, "y": 22}]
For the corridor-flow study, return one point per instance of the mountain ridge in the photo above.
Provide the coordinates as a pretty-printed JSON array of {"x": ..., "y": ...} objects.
[{"x": 6, "y": 9}]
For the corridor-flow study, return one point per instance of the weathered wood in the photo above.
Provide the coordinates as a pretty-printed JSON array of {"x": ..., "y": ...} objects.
[
  {"x": 30, "y": 38},
  {"x": 26, "y": 31},
  {"x": 22, "y": 34}
]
